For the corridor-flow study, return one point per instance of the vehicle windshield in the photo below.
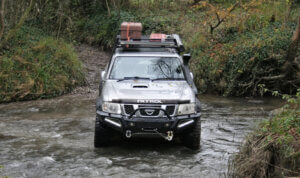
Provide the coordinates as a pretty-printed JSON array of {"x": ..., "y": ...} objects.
[{"x": 154, "y": 68}]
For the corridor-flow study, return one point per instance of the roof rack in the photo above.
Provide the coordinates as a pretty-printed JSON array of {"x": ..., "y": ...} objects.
[{"x": 171, "y": 41}]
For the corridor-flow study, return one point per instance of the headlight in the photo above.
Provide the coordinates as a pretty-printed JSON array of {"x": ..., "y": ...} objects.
[
  {"x": 111, "y": 107},
  {"x": 186, "y": 109}
]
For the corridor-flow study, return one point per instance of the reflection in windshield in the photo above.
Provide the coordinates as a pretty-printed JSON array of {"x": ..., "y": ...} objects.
[{"x": 147, "y": 67}]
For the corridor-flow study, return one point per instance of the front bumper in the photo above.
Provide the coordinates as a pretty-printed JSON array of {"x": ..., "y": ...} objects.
[{"x": 140, "y": 125}]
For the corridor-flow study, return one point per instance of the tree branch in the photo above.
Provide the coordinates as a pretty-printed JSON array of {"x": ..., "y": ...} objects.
[
  {"x": 233, "y": 7},
  {"x": 212, "y": 28},
  {"x": 274, "y": 77}
]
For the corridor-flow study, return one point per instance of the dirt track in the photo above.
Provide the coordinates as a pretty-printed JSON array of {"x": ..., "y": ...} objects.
[{"x": 94, "y": 60}]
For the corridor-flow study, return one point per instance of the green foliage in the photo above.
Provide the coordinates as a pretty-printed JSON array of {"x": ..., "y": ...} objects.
[
  {"x": 37, "y": 66},
  {"x": 262, "y": 55},
  {"x": 284, "y": 128},
  {"x": 206, "y": 72},
  {"x": 236, "y": 63},
  {"x": 157, "y": 4},
  {"x": 102, "y": 29},
  {"x": 244, "y": 52}
]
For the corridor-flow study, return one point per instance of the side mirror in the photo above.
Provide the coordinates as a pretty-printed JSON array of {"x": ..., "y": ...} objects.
[
  {"x": 192, "y": 75},
  {"x": 186, "y": 58},
  {"x": 103, "y": 75}
]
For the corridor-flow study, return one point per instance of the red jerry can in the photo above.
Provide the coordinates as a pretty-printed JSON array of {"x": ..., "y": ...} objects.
[
  {"x": 158, "y": 37},
  {"x": 131, "y": 30}
]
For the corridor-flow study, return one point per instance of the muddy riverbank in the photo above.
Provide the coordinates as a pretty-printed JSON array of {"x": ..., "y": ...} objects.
[{"x": 94, "y": 61}]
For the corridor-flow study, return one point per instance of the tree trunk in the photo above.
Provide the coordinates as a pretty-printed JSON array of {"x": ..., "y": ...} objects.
[
  {"x": 288, "y": 14},
  {"x": 292, "y": 50},
  {"x": 2, "y": 18},
  {"x": 108, "y": 9},
  {"x": 291, "y": 67}
]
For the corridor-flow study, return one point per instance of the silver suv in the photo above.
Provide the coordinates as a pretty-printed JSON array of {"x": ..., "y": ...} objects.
[{"x": 148, "y": 90}]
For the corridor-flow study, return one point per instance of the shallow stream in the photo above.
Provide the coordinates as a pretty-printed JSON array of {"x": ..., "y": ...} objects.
[{"x": 54, "y": 138}]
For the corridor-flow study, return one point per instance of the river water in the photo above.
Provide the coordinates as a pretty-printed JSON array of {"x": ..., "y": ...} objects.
[{"x": 54, "y": 138}]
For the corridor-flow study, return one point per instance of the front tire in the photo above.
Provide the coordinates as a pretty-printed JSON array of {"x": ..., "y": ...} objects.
[
  {"x": 191, "y": 137},
  {"x": 102, "y": 136}
]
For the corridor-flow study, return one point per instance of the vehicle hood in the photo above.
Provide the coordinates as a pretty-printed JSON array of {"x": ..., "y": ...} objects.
[{"x": 166, "y": 91}]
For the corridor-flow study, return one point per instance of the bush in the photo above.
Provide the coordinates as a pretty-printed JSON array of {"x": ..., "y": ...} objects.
[
  {"x": 239, "y": 65},
  {"x": 37, "y": 66},
  {"x": 101, "y": 29}
]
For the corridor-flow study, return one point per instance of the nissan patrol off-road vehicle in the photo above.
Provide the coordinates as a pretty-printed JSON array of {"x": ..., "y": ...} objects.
[{"x": 148, "y": 90}]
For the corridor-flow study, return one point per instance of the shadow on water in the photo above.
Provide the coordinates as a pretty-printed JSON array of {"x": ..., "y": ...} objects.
[{"x": 54, "y": 138}]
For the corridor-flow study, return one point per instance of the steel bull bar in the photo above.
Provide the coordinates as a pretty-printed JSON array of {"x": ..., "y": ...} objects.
[{"x": 162, "y": 126}]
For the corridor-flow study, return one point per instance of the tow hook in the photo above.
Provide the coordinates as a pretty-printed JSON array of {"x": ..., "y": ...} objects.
[
  {"x": 169, "y": 136},
  {"x": 128, "y": 133}
]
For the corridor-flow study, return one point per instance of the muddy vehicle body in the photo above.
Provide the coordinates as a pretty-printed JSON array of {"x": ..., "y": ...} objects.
[{"x": 148, "y": 90}]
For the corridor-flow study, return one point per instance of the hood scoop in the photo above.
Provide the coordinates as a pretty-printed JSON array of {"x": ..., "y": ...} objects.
[{"x": 140, "y": 86}]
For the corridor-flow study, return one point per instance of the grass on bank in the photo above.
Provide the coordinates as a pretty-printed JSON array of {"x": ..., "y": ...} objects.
[
  {"x": 34, "y": 65},
  {"x": 274, "y": 149}
]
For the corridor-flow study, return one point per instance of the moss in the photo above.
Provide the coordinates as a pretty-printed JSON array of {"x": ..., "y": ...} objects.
[{"x": 37, "y": 66}]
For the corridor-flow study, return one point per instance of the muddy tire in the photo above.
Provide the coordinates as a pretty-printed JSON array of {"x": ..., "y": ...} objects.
[
  {"x": 102, "y": 137},
  {"x": 191, "y": 138}
]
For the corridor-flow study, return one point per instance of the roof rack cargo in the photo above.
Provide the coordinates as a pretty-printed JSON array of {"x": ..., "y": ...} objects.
[{"x": 171, "y": 41}]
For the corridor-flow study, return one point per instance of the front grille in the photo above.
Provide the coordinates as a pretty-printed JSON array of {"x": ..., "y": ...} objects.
[
  {"x": 170, "y": 110},
  {"x": 149, "y": 112},
  {"x": 128, "y": 109}
]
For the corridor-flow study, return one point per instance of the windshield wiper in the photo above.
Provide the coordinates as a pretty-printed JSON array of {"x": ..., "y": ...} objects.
[
  {"x": 133, "y": 78},
  {"x": 167, "y": 79}
]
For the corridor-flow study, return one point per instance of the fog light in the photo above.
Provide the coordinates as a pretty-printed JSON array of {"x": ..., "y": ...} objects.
[
  {"x": 113, "y": 122},
  {"x": 185, "y": 123}
]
